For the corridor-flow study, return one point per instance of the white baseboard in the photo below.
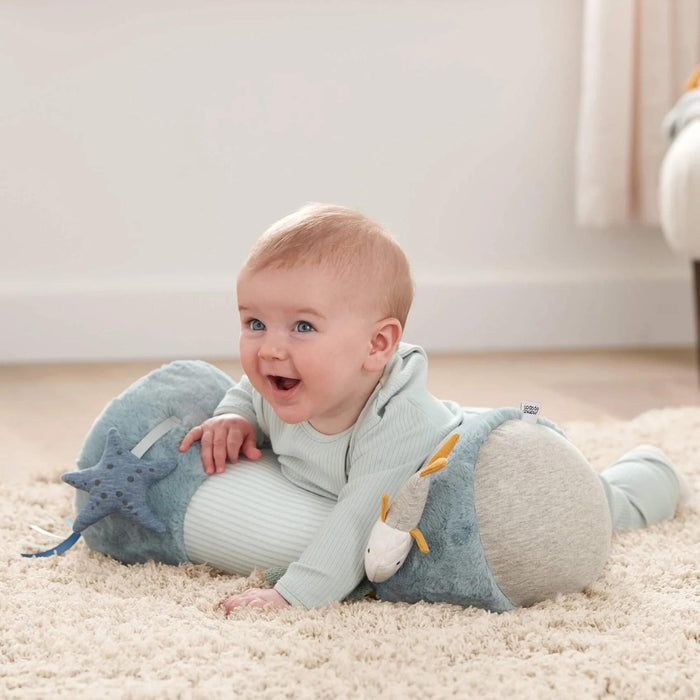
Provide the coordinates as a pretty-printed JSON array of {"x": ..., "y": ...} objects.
[
  {"x": 127, "y": 321},
  {"x": 558, "y": 313}
]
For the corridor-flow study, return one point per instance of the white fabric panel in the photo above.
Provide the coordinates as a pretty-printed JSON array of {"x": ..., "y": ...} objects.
[{"x": 251, "y": 518}]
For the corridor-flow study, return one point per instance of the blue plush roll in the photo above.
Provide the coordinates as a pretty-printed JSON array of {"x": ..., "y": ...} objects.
[{"x": 516, "y": 516}]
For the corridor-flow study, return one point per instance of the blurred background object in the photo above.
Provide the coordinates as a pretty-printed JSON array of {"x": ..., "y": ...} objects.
[{"x": 679, "y": 185}]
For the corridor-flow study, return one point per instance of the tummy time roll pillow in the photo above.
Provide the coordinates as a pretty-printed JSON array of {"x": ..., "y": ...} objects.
[{"x": 515, "y": 516}]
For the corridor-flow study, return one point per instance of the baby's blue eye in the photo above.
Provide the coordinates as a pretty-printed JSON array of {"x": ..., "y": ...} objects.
[
  {"x": 256, "y": 325},
  {"x": 304, "y": 327}
]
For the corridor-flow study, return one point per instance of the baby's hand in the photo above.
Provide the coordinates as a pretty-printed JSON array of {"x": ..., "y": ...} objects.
[
  {"x": 222, "y": 439},
  {"x": 255, "y": 598}
]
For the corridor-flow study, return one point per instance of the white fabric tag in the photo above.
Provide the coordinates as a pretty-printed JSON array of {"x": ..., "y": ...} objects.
[
  {"x": 154, "y": 435},
  {"x": 529, "y": 410},
  {"x": 46, "y": 533}
]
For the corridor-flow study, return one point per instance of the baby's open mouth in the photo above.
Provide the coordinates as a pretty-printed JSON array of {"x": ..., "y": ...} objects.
[{"x": 284, "y": 383}]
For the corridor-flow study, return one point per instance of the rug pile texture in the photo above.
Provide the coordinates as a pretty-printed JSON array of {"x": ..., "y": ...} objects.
[{"x": 83, "y": 625}]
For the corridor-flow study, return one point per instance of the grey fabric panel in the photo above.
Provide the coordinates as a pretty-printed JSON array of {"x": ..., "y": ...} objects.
[{"x": 543, "y": 516}]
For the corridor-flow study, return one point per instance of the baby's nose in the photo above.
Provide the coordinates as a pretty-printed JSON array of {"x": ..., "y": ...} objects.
[{"x": 272, "y": 349}]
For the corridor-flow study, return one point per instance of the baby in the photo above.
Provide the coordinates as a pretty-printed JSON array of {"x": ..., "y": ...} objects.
[{"x": 323, "y": 299}]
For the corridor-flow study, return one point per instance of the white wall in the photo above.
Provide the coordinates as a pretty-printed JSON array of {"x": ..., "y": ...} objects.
[{"x": 145, "y": 144}]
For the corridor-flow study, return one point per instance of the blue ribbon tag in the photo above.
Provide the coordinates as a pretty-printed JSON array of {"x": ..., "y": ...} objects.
[{"x": 58, "y": 549}]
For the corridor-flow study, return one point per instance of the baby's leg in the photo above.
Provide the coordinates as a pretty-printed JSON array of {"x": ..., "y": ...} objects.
[{"x": 642, "y": 488}]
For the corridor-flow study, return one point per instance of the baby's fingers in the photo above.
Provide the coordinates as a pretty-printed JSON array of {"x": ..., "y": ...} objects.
[
  {"x": 250, "y": 449},
  {"x": 191, "y": 437},
  {"x": 220, "y": 450},
  {"x": 233, "y": 446},
  {"x": 207, "y": 440}
]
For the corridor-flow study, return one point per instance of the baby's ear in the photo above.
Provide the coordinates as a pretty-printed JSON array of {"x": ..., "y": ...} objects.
[{"x": 385, "y": 339}]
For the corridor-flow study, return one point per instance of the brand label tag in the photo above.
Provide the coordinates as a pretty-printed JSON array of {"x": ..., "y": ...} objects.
[{"x": 529, "y": 410}]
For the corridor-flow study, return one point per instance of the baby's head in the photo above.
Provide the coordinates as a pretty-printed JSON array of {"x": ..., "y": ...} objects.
[
  {"x": 323, "y": 297},
  {"x": 357, "y": 250}
]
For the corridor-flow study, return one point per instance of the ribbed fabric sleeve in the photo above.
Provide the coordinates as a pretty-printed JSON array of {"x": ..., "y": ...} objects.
[{"x": 398, "y": 429}]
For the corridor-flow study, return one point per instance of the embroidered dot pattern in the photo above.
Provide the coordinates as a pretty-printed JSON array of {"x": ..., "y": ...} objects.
[{"x": 119, "y": 483}]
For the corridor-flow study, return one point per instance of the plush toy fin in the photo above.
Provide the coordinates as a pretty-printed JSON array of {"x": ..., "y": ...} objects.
[
  {"x": 693, "y": 80},
  {"x": 439, "y": 459},
  {"x": 385, "y": 506},
  {"x": 434, "y": 466},
  {"x": 420, "y": 540},
  {"x": 445, "y": 448}
]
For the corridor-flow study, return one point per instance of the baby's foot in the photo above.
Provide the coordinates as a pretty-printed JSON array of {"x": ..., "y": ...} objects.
[{"x": 685, "y": 493}]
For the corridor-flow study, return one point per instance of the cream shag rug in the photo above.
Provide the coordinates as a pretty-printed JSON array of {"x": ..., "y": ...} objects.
[{"x": 82, "y": 625}]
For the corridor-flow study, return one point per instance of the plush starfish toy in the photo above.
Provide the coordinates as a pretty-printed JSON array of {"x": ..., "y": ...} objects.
[{"x": 118, "y": 483}]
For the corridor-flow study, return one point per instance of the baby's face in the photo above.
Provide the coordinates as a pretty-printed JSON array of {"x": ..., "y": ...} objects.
[{"x": 306, "y": 333}]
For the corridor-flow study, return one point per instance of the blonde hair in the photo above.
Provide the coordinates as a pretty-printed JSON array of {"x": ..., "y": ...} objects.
[{"x": 345, "y": 240}]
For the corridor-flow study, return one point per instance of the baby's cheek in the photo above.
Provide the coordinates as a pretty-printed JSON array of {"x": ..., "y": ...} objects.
[{"x": 249, "y": 365}]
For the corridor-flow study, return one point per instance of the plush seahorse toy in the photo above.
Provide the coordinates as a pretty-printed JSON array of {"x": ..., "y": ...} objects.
[{"x": 508, "y": 512}]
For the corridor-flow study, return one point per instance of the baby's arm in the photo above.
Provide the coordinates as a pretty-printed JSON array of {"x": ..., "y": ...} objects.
[{"x": 222, "y": 439}]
